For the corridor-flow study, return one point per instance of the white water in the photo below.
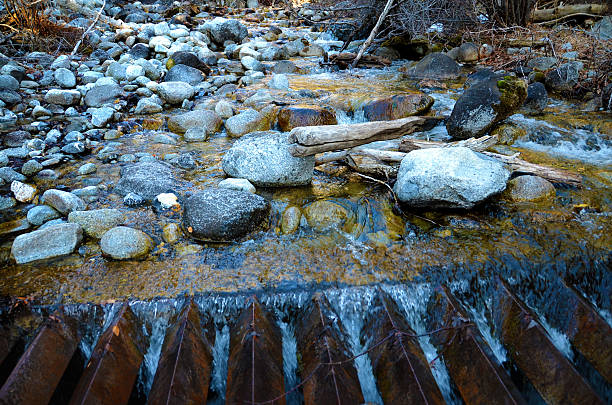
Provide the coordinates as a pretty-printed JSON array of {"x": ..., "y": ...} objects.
[{"x": 219, "y": 372}]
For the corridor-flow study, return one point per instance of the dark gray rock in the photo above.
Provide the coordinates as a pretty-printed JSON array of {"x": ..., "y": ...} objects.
[
  {"x": 147, "y": 179},
  {"x": 564, "y": 78},
  {"x": 103, "y": 94},
  {"x": 53, "y": 241},
  {"x": 222, "y": 29},
  {"x": 449, "y": 178},
  {"x": 140, "y": 51},
  {"x": 435, "y": 66},
  {"x": 184, "y": 73},
  {"x": 218, "y": 214},
  {"x": 191, "y": 60},
  {"x": 537, "y": 98}
]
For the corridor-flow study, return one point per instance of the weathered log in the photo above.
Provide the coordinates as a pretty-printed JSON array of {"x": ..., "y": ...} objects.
[
  {"x": 324, "y": 138},
  {"x": 371, "y": 166},
  {"x": 184, "y": 368},
  {"x": 345, "y": 59},
  {"x": 569, "y": 10},
  {"x": 549, "y": 173},
  {"x": 476, "y": 144}
]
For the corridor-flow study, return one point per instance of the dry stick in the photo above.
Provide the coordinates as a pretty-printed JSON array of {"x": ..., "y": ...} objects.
[
  {"x": 368, "y": 41},
  {"x": 78, "y": 44}
]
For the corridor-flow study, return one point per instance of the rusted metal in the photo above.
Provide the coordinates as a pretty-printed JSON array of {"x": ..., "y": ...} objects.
[
  {"x": 113, "y": 367},
  {"x": 528, "y": 344},
  {"x": 40, "y": 368},
  {"x": 588, "y": 332},
  {"x": 328, "y": 373},
  {"x": 402, "y": 372},
  {"x": 183, "y": 371},
  {"x": 255, "y": 365},
  {"x": 475, "y": 370}
]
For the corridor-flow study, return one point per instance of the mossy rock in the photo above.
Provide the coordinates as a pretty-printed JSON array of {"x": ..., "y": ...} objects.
[{"x": 507, "y": 134}]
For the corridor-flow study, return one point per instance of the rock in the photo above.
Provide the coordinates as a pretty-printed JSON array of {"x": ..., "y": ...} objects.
[
  {"x": 396, "y": 107},
  {"x": 529, "y": 188},
  {"x": 290, "y": 220},
  {"x": 225, "y": 109},
  {"x": 132, "y": 72},
  {"x": 507, "y": 134},
  {"x": 171, "y": 233},
  {"x": 74, "y": 148},
  {"x": 54, "y": 241},
  {"x": 40, "y": 214},
  {"x": 483, "y": 105},
  {"x": 101, "y": 116},
  {"x": 325, "y": 214},
  {"x": 133, "y": 200},
  {"x": 468, "y": 52},
  {"x": 62, "y": 201},
  {"x": 222, "y": 29},
  {"x": 195, "y": 134},
  {"x": 312, "y": 50},
  {"x": 482, "y": 75},
  {"x": 602, "y": 29},
  {"x": 139, "y": 51},
  {"x": 63, "y": 97},
  {"x": 542, "y": 63},
  {"x": 564, "y": 78},
  {"x": 9, "y": 175},
  {"x": 263, "y": 158},
  {"x": 284, "y": 66},
  {"x": 87, "y": 168},
  {"x": 117, "y": 71},
  {"x": 100, "y": 95},
  {"x": 435, "y": 66},
  {"x": 537, "y": 99},
  {"x": 279, "y": 81},
  {"x": 250, "y": 63},
  {"x": 238, "y": 184},
  {"x": 175, "y": 92},
  {"x": 123, "y": 243},
  {"x": 40, "y": 112},
  {"x": 208, "y": 120},
  {"x": 606, "y": 97},
  {"x": 305, "y": 115},
  {"x": 455, "y": 177},
  {"x": 8, "y": 82},
  {"x": 244, "y": 123},
  {"x": 147, "y": 106},
  {"x": 31, "y": 167},
  {"x": 146, "y": 179},
  {"x": 23, "y": 192},
  {"x": 64, "y": 78},
  {"x": 10, "y": 97},
  {"x": 219, "y": 215},
  {"x": 188, "y": 59},
  {"x": 96, "y": 222},
  {"x": 184, "y": 73}
]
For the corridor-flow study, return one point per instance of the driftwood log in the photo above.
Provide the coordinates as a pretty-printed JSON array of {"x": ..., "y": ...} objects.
[
  {"x": 345, "y": 59},
  {"x": 566, "y": 11},
  {"x": 308, "y": 141}
]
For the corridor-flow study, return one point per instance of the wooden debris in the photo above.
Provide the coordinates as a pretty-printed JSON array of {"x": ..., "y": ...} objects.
[
  {"x": 549, "y": 173},
  {"x": 345, "y": 59},
  {"x": 325, "y": 138},
  {"x": 476, "y": 144},
  {"x": 569, "y": 10}
]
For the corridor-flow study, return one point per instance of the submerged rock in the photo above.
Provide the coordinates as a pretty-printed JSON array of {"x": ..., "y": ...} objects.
[
  {"x": 264, "y": 159},
  {"x": 247, "y": 121},
  {"x": 449, "y": 178},
  {"x": 325, "y": 214},
  {"x": 398, "y": 106},
  {"x": 219, "y": 215},
  {"x": 207, "y": 120},
  {"x": 305, "y": 115},
  {"x": 53, "y": 241},
  {"x": 529, "y": 188},
  {"x": 96, "y": 222},
  {"x": 122, "y": 243},
  {"x": 146, "y": 179},
  {"x": 484, "y": 104}
]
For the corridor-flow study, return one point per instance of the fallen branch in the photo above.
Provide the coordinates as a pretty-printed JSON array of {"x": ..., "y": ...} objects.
[
  {"x": 549, "y": 173},
  {"x": 565, "y": 11},
  {"x": 345, "y": 59},
  {"x": 476, "y": 144},
  {"x": 78, "y": 44},
  {"x": 373, "y": 33}
]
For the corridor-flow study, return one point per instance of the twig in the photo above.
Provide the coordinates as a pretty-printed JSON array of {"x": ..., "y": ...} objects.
[
  {"x": 368, "y": 41},
  {"x": 78, "y": 44}
]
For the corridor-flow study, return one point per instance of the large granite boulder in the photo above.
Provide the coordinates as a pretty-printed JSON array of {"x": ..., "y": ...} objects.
[{"x": 52, "y": 241}]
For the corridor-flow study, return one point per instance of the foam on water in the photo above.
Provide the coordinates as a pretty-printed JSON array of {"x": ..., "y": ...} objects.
[
  {"x": 220, "y": 354},
  {"x": 485, "y": 330},
  {"x": 558, "y": 338},
  {"x": 355, "y": 117}
]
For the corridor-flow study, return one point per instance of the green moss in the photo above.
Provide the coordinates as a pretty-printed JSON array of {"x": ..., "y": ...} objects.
[
  {"x": 169, "y": 63},
  {"x": 512, "y": 94}
]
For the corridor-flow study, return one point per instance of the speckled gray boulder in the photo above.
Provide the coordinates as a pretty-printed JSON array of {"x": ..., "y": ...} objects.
[
  {"x": 264, "y": 159},
  {"x": 63, "y": 201},
  {"x": 122, "y": 243},
  {"x": 207, "y": 120},
  {"x": 96, "y": 222},
  {"x": 53, "y": 241},
  {"x": 435, "y": 66},
  {"x": 449, "y": 178},
  {"x": 147, "y": 179},
  {"x": 219, "y": 214}
]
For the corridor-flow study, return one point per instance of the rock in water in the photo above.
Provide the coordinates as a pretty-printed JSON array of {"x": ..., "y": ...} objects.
[
  {"x": 529, "y": 188},
  {"x": 96, "y": 222},
  {"x": 449, "y": 178},
  {"x": 264, "y": 159},
  {"x": 304, "y": 116},
  {"x": 122, "y": 243},
  {"x": 219, "y": 215},
  {"x": 247, "y": 121},
  {"x": 484, "y": 104},
  {"x": 207, "y": 120},
  {"x": 175, "y": 92},
  {"x": 537, "y": 98},
  {"x": 147, "y": 179},
  {"x": 53, "y": 241},
  {"x": 63, "y": 201},
  {"x": 396, "y": 107},
  {"x": 435, "y": 66}
]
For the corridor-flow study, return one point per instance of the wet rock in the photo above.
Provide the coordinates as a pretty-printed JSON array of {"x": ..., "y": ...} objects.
[
  {"x": 40, "y": 214},
  {"x": 215, "y": 214},
  {"x": 53, "y": 241},
  {"x": 171, "y": 233},
  {"x": 184, "y": 73},
  {"x": 96, "y": 222},
  {"x": 62, "y": 201},
  {"x": 507, "y": 134},
  {"x": 222, "y": 29},
  {"x": 564, "y": 78},
  {"x": 133, "y": 200},
  {"x": 435, "y": 66},
  {"x": 23, "y": 192},
  {"x": 537, "y": 99},
  {"x": 207, "y": 120},
  {"x": 63, "y": 97},
  {"x": 100, "y": 95},
  {"x": 195, "y": 134},
  {"x": 468, "y": 52},
  {"x": 396, "y": 107},
  {"x": 483, "y": 105},
  {"x": 264, "y": 159},
  {"x": 64, "y": 78},
  {"x": 247, "y": 121},
  {"x": 326, "y": 214},
  {"x": 6, "y": 203},
  {"x": 279, "y": 82},
  {"x": 305, "y": 115},
  {"x": 529, "y": 188},
  {"x": 9, "y": 175},
  {"x": 238, "y": 184},
  {"x": 284, "y": 66},
  {"x": 147, "y": 179},
  {"x": 175, "y": 92},
  {"x": 449, "y": 178},
  {"x": 147, "y": 106},
  {"x": 225, "y": 109},
  {"x": 123, "y": 243},
  {"x": 290, "y": 220},
  {"x": 31, "y": 167}
]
